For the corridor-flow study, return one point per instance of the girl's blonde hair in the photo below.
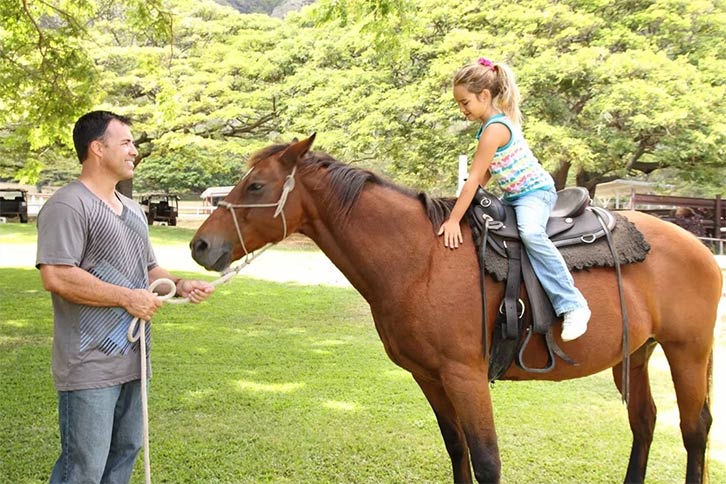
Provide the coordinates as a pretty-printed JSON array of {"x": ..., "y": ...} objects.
[{"x": 498, "y": 78}]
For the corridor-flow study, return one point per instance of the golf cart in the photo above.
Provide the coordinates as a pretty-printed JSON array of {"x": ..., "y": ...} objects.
[
  {"x": 14, "y": 203},
  {"x": 160, "y": 207}
]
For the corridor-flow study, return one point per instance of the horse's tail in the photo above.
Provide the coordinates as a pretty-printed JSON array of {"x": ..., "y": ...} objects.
[
  {"x": 709, "y": 380},
  {"x": 706, "y": 412}
]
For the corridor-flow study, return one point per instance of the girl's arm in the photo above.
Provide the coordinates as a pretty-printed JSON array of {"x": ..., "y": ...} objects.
[{"x": 493, "y": 137}]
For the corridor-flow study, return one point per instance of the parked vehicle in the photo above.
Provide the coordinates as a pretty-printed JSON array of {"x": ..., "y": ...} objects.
[
  {"x": 160, "y": 207},
  {"x": 14, "y": 203}
]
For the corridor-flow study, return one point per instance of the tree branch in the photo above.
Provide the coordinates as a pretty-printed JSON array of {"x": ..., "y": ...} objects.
[{"x": 41, "y": 37}]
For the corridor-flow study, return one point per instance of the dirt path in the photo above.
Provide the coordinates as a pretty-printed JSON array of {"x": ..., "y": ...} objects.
[{"x": 299, "y": 266}]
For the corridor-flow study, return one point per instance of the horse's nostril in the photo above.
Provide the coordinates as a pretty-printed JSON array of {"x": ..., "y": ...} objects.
[{"x": 199, "y": 246}]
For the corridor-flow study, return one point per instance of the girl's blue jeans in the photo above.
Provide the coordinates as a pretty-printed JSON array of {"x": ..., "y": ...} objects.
[
  {"x": 101, "y": 433},
  {"x": 533, "y": 209}
]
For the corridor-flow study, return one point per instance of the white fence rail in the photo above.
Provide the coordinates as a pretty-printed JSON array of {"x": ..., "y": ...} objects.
[{"x": 716, "y": 245}]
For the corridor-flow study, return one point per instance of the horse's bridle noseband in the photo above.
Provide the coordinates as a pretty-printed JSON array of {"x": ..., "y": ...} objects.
[{"x": 287, "y": 187}]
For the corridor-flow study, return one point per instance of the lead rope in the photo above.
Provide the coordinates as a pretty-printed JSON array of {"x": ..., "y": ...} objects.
[
  {"x": 137, "y": 326},
  {"x": 133, "y": 335}
]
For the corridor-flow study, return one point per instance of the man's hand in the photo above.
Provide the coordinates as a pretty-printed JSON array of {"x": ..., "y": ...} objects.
[
  {"x": 142, "y": 304},
  {"x": 195, "y": 291}
]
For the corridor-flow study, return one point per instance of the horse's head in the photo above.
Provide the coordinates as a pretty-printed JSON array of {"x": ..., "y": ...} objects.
[{"x": 263, "y": 207}]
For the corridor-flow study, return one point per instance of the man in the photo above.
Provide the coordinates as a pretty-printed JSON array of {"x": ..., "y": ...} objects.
[{"x": 95, "y": 258}]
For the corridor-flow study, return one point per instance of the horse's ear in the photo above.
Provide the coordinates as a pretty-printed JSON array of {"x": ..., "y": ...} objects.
[{"x": 297, "y": 150}]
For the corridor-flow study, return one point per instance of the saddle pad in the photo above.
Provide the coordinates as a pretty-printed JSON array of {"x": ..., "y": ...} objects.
[{"x": 629, "y": 243}]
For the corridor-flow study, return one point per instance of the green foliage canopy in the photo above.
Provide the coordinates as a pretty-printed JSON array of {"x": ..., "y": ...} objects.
[
  {"x": 47, "y": 75},
  {"x": 609, "y": 88}
]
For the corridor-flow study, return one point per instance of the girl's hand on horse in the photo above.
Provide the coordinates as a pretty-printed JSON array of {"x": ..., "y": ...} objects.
[{"x": 452, "y": 234}]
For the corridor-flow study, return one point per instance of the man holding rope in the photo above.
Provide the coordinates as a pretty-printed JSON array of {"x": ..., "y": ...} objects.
[{"x": 96, "y": 259}]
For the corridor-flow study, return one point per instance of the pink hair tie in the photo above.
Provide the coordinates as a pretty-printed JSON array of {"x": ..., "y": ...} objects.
[{"x": 486, "y": 63}]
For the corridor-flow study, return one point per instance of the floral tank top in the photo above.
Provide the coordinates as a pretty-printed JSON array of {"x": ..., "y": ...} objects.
[{"x": 514, "y": 168}]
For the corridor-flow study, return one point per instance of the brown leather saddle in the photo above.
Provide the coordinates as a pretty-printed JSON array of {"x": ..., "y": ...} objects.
[{"x": 572, "y": 221}]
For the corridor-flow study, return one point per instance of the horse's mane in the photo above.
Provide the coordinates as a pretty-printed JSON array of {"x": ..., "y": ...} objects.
[{"x": 347, "y": 182}]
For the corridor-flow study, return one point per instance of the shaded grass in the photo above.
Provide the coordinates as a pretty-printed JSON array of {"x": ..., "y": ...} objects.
[{"x": 286, "y": 383}]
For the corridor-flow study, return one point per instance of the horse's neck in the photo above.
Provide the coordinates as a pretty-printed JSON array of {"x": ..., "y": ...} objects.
[{"x": 385, "y": 241}]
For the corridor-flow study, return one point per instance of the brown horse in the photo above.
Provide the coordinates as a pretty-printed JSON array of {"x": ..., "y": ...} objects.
[{"x": 426, "y": 299}]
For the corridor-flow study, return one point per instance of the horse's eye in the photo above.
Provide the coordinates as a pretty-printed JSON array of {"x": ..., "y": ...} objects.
[{"x": 254, "y": 187}]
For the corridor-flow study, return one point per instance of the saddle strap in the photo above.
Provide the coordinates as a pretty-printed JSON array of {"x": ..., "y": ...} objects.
[
  {"x": 483, "y": 276},
  {"x": 511, "y": 293},
  {"x": 543, "y": 314},
  {"x": 623, "y": 313},
  {"x": 543, "y": 317}
]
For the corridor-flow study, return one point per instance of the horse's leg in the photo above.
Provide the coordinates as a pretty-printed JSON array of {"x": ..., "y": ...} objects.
[
  {"x": 690, "y": 363},
  {"x": 468, "y": 391},
  {"x": 641, "y": 410},
  {"x": 451, "y": 431}
]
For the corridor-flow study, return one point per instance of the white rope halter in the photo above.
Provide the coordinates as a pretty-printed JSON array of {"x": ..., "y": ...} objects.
[{"x": 287, "y": 187}]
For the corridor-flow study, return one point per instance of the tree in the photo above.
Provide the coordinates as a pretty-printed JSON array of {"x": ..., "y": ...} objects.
[
  {"x": 609, "y": 88},
  {"x": 47, "y": 78}
]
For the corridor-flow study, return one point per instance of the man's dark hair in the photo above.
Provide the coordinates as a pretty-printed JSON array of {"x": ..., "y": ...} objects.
[{"x": 92, "y": 126}]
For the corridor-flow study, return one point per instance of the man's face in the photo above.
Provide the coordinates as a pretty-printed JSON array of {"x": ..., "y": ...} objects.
[{"x": 118, "y": 150}]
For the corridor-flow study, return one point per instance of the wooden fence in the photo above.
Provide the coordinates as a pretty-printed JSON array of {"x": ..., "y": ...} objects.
[{"x": 705, "y": 217}]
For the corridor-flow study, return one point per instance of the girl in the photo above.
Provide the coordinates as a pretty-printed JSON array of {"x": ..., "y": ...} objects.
[{"x": 486, "y": 91}]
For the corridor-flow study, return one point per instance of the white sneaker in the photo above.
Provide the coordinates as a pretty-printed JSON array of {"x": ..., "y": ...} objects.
[{"x": 575, "y": 323}]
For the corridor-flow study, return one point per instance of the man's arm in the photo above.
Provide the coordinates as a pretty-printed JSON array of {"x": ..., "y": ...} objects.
[{"x": 81, "y": 287}]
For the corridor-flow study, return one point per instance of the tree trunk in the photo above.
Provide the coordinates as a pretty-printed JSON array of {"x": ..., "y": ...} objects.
[
  {"x": 560, "y": 175},
  {"x": 126, "y": 187}
]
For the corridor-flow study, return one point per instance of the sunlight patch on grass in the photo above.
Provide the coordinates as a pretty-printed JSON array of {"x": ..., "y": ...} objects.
[
  {"x": 329, "y": 342},
  {"x": 175, "y": 326},
  {"x": 397, "y": 374},
  {"x": 202, "y": 394},
  {"x": 10, "y": 340},
  {"x": 342, "y": 406},
  {"x": 16, "y": 323},
  {"x": 321, "y": 352},
  {"x": 246, "y": 385},
  {"x": 251, "y": 333}
]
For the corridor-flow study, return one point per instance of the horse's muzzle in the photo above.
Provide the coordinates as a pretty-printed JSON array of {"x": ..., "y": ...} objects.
[{"x": 211, "y": 254}]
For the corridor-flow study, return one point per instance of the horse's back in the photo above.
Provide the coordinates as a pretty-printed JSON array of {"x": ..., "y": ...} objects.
[
  {"x": 680, "y": 278},
  {"x": 674, "y": 248}
]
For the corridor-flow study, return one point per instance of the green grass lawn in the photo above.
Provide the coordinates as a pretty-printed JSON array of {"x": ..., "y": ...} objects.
[{"x": 286, "y": 383}]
